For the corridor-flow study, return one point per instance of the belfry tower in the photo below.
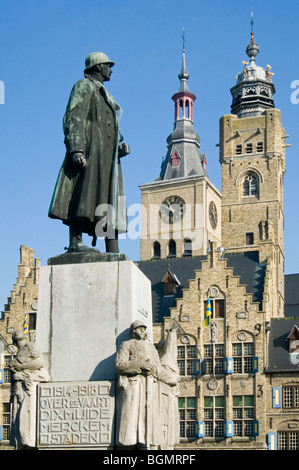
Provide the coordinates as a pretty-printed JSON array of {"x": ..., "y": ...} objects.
[
  {"x": 252, "y": 155},
  {"x": 182, "y": 207}
]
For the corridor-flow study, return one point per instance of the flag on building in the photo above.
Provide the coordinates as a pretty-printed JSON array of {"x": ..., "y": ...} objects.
[
  {"x": 208, "y": 312},
  {"x": 25, "y": 323}
]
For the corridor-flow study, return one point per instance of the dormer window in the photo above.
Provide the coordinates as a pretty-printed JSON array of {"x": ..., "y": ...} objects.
[
  {"x": 293, "y": 340},
  {"x": 175, "y": 158},
  {"x": 170, "y": 282}
]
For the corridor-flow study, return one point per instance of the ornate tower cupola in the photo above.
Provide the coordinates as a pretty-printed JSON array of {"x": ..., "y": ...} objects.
[
  {"x": 183, "y": 99},
  {"x": 183, "y": 158},
  {"x": 254, "y": 90}
]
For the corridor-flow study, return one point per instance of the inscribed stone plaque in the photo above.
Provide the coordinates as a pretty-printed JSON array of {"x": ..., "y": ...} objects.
[{"x": 76, "y": 414}]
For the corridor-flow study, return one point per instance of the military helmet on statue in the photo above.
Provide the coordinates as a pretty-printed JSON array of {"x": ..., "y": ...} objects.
[
  {"x": 97, "y": 58},
  {"x": 137, "y": 324}
]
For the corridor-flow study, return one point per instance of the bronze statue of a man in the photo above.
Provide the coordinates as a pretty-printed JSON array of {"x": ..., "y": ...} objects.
[{"x": 89, "y": 194}]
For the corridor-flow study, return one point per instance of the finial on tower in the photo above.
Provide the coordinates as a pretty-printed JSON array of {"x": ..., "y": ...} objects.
[
  {"x": 252, "y": 49},
  {"x": 184, "y": 75},
  {"x": 184, "y": 39},
  {"x": 252, "y": 23}
]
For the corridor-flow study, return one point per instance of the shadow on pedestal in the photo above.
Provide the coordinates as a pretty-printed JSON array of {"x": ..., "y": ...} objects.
[{"x": 104, "y": 370}]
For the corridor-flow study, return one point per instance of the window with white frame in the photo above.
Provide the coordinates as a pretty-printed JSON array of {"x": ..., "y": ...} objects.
[
  {"x": 243, "y": 357},
  {"x": 213, "y": 356},
  {"x": 7, "y": 372},
  {"x": 217, "y": 306},
  {"x": 186, "y": 359}
]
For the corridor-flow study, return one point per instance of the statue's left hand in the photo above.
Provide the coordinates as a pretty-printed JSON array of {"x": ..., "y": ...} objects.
[
  {"x": 123, "y": 150},
  {"x": 147, "y": 368},
  {"x": 79, "y": 159}
]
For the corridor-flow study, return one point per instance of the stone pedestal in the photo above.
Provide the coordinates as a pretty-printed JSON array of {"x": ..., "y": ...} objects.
[
  {"x": 76, "y": 415},
  {"x": 84, "y": 314}
]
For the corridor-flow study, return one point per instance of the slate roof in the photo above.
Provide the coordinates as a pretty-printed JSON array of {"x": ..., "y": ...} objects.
[
  {"x": 245, "y": 265},
  {"x": 155, "y": 270},
  {"x": 251, "y": 272},
  {"x": 291, "y": 308},
  {"x": 279, "y": 356}
]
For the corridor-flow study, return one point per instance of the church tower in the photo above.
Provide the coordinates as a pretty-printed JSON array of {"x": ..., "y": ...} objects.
[
  {"x": 181, "y": 209},
  {"x": 252, "y": 156}
]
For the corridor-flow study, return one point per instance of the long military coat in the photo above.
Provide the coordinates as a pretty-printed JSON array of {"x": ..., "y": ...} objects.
[
  {"x": 90, "y": 126},
  {"x": 135, "y": 389}
]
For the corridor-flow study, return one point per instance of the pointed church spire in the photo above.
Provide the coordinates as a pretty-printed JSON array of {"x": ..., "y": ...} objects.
[
  {"x": 183, "y": 157},
  {"x": 184, "y": 75}
]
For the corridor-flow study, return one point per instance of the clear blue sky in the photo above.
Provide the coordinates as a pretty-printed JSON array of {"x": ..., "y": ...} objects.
[{"x": 43, "y": 45}]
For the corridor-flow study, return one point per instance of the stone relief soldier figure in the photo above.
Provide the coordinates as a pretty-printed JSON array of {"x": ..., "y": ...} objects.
[
  {"x": 91, "y": 176},
  {"x": 27, "y": 371},
  {"x": 138, "y": 361}
]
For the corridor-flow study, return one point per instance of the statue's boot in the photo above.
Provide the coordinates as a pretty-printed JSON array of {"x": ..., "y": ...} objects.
[
  {"x": 112, "y": 245},
  {"x": 76, "y": 244}
]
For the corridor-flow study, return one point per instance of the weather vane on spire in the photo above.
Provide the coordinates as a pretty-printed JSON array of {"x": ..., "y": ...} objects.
[
  {"x": 252, "y": 23},
  {"x": 184, "y": 39}
]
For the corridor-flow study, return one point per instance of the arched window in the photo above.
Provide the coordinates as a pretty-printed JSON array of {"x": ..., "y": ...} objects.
[
  {"x": 157, "y": 250},
  {"x": 187, "y": 110},
  {"x": 171, "y": 249},
  {"x": 181, "y": 109},
  {"x": 187, "y": 247},
  {"x": 250, "y": 184}
]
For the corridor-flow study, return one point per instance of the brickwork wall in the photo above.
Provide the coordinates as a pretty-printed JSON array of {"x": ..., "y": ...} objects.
[
  {"x": 197, "y": 194},
  {"x": 261, "y": 214}
]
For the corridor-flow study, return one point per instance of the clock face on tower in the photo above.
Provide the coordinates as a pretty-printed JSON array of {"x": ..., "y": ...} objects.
[
  {"x": 172, "y": 209},
  {"x": 213, "y": 214}
]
